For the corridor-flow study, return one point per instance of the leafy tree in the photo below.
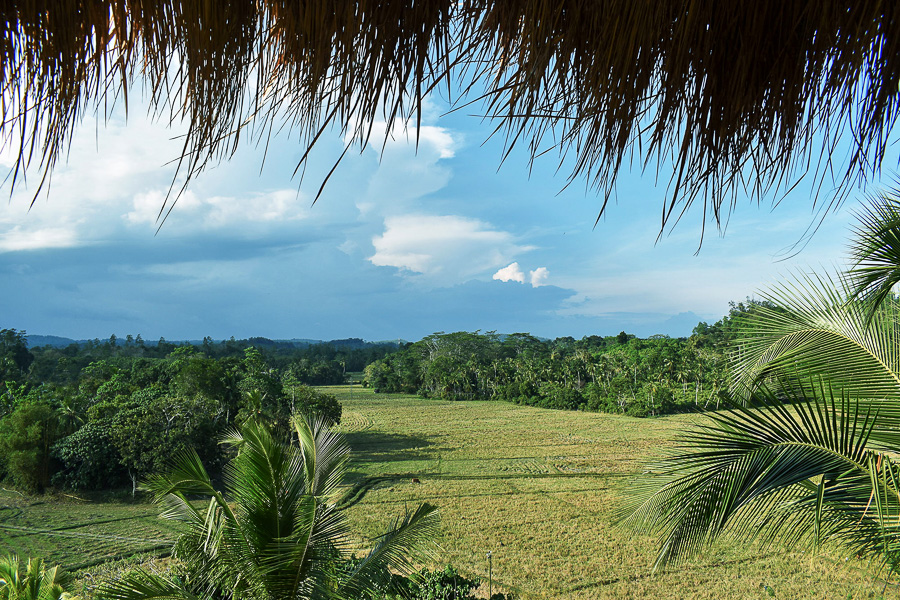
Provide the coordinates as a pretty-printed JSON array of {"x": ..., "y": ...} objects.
[
  {"x": 15, "y": 358},
  {"x": 279, "y": 533},
  {"x": 153, "y": 426},
  {"x": 304, "y": 399},
  {"x": 26, "y": 437},
  {"x": 89, "y": 458}
]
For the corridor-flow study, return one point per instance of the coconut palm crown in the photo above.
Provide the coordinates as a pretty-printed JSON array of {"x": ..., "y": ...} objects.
[
  {"x": 275, "y": 532},
  {"x": 808, "y": 453},
  {"x": 737, "y": 96}
]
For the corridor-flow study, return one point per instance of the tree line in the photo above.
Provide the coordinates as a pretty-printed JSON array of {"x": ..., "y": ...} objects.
[
  {"x": 106, "y": 414},
  {"x": 616, "y": 374}
]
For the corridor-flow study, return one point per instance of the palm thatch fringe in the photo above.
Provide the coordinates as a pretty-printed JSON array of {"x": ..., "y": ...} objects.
[{"x": 739, "y": 96}]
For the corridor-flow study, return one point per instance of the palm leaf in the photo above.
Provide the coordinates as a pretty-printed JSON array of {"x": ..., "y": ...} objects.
[
  {"x": 34, "y": 582},
  {"x": 399, "y": 549},
  {"x": 813, "y": 328},
  {"x": 278, "y": 535},
  {"x": 325, "y": 454},
  {"x": 187, "y": 475},
  {"x": 875, "y": 250},
  {"x": 140, "y": 585},
  {"x": 799, "y": 473}
]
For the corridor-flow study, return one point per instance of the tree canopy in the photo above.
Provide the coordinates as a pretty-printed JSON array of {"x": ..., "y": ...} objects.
[{"x": 722, "y": 98}]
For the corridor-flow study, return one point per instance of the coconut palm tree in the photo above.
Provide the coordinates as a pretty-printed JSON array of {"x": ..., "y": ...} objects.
[
  {"x": 807, "y": 454},
  {"x": 275, "y": 532},
  {"x": 33, "y": 582}
]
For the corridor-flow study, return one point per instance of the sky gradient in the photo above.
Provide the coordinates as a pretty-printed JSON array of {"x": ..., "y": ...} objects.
[{"x": 399, "y": 245}]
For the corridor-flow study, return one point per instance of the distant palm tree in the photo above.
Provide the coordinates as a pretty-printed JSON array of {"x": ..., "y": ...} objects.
[
  {"x": 275, "y": 532},
  {"x": 808, "y": 455},
  {"x": 33, "y": 583}
]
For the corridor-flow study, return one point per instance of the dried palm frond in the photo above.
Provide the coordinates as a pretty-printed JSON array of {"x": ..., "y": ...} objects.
[{"x": 733, "y": 97}]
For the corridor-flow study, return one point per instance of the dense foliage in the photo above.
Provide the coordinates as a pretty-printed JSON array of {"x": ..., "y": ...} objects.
[
  {"x": 620, "y": 373},
  {"x": 275, "y": 531},
  {"x": 103, "y": 414}
]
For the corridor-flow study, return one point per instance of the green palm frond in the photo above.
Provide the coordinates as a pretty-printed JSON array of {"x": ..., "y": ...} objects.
[
  {"x": 325, "y": 454},
  {"x": 274, "y": 532},
  {"x": 813, "y": 327},
  {"x": 399, "y": 549},
  {"x": 9, "y": 574},
  {"x": 140, "y": 585},
  {"x": 875, "y": 250},
  {"x": 33, "y": 582},
  {"x": 798, "y": 473},
  {"x": 798, "y": 460},
  {"x": 187, "y": 476}
]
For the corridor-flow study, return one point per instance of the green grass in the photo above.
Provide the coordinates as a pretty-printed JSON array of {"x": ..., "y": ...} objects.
[
  {"x": 540, "y": 490},
  {"x": 537, "y": 488},
  {"x": 79, "y": 533}
]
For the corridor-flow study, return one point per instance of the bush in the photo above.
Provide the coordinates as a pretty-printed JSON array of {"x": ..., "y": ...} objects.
[
  {"x": 89, "y": 459},
  {"x": 560, "y": 397},
  {"x": 306, "y": 400},
  {"x": 445, "y": 584}
]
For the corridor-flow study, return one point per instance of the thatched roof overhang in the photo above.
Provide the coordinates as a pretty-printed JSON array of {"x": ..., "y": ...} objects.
[{"x": 733, "y": 97}]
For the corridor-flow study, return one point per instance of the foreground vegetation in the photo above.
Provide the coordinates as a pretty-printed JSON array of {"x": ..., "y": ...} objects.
[
  {"x": 808, "y": 456},
  {"x": 537, "y": 488},
  {"x": 275, "y": 531}
]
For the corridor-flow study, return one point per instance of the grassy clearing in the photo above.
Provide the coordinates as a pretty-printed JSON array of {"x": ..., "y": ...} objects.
[
  {"x": 539, "y": 489},
  {"x": 80, "y": 533}
]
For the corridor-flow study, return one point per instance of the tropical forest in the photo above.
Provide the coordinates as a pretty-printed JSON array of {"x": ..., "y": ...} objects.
[{"x": 449, "y": 300}]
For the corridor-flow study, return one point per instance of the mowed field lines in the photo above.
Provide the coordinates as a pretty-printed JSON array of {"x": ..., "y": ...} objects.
[
  {"x": 540, "y": 489},
  {"x": 79, "y": 534}
]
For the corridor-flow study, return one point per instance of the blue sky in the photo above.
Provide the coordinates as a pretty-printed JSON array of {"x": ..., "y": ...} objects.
[{"x": 401, "y": 244}]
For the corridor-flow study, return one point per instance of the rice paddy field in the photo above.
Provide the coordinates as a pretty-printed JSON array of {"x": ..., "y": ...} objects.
[{"x": 539, "y": 489}]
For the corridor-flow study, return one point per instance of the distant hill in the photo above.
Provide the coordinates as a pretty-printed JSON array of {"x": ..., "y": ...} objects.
[
  {"x": 55, "y": 341},
  {"x": 39, "y": 341}
]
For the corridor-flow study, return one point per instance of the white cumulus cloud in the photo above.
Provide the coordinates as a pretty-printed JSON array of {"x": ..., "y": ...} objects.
[
  {"x": 539, "y": 276},
  {"x": 513, "y": 272},
  {"x": 510, "y": 273},
  {"x": 445, "y": 249}
]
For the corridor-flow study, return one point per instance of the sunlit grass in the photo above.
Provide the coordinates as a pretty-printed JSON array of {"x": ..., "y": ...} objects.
[
  {"x": 537, "y": 488},
  {"x": 540, "y": 490},
  {"x": 80, "y": 533}
]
